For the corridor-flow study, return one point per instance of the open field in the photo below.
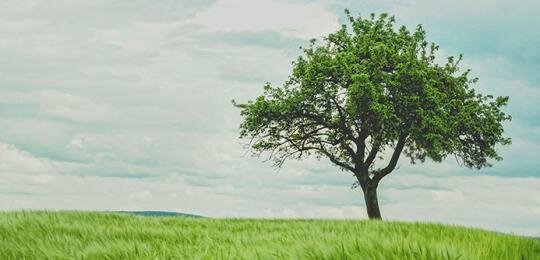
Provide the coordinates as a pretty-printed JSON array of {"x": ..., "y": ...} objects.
[{"x": 68, "y": 235}]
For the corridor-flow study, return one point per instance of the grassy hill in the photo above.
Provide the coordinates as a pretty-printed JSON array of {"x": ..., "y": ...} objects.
[{"x": 67, "y": 235}]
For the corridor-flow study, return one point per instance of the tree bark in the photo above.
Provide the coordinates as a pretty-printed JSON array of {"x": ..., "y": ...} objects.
[{"x": 372, "y": 204}]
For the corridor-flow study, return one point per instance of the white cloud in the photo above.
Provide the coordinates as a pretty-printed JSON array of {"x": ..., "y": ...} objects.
[
  {"x": 75, "y": 108},
  {"x": 137, "y": 36},
  {"x": 14, "y": 161},
  {"x": 141, "y": 195},
  {"x": 305, "y": 20}
]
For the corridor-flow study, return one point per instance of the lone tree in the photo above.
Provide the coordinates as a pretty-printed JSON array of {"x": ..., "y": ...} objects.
[{"x": 370, "y": 92}]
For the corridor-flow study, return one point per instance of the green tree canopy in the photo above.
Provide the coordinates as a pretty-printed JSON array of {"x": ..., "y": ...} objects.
[{"x": 369, "y": 91}]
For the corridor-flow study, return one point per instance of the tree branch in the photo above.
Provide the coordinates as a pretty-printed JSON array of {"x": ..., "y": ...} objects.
[
  {"x": 335, "y": 160},
  {"x": 358, "y": 159},
  {"x": 300, "y": 148},
  {"x": 379, "y": 174},
  {"x": 372, "y": 153}
]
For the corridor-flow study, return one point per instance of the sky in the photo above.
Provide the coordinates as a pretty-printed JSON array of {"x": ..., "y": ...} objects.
[{"x": 126, "y": 105}]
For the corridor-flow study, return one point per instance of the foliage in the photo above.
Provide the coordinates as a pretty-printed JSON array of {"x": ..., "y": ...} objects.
[
  {"x": 92, "y": 235},
  {"x": 369, "y": 88}
]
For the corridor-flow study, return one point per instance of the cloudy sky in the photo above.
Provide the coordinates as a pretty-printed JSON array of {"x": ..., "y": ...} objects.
[{"x": 125, "y": 105}]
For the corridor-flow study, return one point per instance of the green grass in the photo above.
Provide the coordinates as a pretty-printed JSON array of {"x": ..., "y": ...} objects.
[{"x": 92, "y": 235}]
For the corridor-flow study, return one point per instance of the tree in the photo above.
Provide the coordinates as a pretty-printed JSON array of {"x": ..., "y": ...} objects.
[{"x": 370, "y": 92}]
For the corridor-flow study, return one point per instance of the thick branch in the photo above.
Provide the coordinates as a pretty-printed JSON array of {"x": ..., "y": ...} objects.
[
  {"x": 359, "y": 166},
  {"x": 372, "y": 153},
  {"x": 379, "y": 174}
]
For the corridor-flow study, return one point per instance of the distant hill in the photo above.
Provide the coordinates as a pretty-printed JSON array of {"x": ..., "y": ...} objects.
[{"x": 160, "y": 214}]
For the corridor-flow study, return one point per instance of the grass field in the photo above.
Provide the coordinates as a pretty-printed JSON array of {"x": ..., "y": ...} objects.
[{"x": 92, "y": 235}]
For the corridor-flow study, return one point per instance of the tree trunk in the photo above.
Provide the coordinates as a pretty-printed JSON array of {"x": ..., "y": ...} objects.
[{"x": 372, "y": 204}]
